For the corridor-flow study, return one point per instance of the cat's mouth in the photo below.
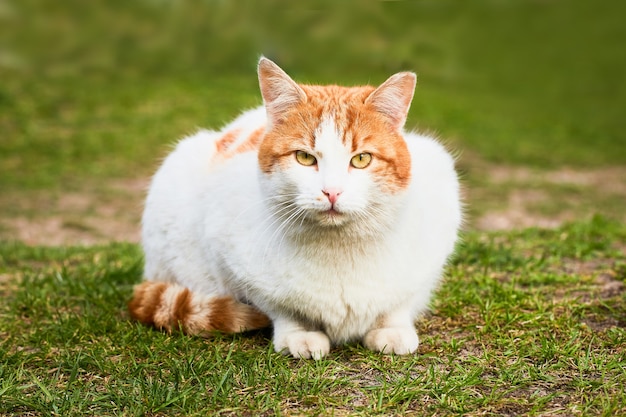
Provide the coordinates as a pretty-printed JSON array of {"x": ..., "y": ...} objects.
[{"x": 331, "y": 217}]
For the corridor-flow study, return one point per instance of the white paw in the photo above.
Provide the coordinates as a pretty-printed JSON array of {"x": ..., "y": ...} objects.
[
  {"x": 303, "y": 344},
  {"x": 398, "y": 340}
]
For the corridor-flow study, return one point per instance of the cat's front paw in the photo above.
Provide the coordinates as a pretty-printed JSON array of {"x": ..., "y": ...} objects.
[
  {"x": 303, "y": 344},
  {"x": 398, "y": 340}
]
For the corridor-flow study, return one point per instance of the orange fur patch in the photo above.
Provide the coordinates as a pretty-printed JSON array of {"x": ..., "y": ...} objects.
[
  {"x": 223, "y": 144},
  {"x": 252, "y": 142},
  {"x": 146, "y": 300},
  {"x": 181, "y": 308},
  {"x": 232, "y": 143},
  {"x": 232, "y": 317},
  {"x": 172, "y": 307}
]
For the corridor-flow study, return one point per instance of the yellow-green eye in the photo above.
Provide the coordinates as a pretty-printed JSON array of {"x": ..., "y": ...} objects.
[
  {"x": 361, "y": 160},
  {"x": 305, "y": 159}
]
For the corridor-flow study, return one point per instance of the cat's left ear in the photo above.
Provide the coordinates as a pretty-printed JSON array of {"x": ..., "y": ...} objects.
[
  {"x": 393, "y": 97},
  {"x": 279, "y": 91}
]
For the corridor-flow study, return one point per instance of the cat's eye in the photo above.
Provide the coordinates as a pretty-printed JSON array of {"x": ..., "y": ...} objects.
[
  {"x": 305, "y": 159},
  {"x": 361, "y": 160}
]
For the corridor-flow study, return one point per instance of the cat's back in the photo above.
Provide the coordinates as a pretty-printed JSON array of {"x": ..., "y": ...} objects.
[
  {"x": 204, "y": 158},
  {"x": 242, "y": 135},
  {"x": 430, "y": 159},
  {"x": 433, "y": 197},
  {"x": 200, "y": 169},
  {"x": 199, "y": 158}
]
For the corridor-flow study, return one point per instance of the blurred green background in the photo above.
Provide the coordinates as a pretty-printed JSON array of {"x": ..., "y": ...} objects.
[{"x": 95, "y": 90}]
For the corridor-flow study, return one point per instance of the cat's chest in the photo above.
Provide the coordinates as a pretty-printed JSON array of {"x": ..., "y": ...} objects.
[
  {"x": 336, "y": 280},
  {"x": 341, "y": 286}
]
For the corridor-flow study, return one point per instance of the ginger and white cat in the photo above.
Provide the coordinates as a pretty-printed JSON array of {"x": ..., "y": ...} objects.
[{"x": 315, "y": 213}]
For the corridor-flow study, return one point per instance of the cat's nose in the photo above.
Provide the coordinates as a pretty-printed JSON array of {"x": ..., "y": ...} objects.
[{"x": 332, "y": 194}]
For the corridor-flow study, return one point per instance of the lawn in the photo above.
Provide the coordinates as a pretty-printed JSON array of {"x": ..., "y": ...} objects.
[{"x": 528, "y": 320}]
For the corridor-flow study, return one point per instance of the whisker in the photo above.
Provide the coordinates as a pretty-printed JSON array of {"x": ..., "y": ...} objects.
[
  {"x": 282, "y": 227},
  {"x": 290, "y": 222}
]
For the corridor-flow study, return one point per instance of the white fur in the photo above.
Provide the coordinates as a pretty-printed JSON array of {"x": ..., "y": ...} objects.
[{"x": 222, "y": 227}]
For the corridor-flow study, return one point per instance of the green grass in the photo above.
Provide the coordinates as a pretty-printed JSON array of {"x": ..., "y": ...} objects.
[{"x": 526, "y": 323}]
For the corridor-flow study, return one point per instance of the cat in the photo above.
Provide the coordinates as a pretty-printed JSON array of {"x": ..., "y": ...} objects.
[{"x": 314, "y": 213}]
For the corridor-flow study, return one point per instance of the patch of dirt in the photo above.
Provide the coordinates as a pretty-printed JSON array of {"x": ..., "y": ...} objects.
[
  {"x": 75, "y": 218},
  {"x": 517, "y": 214},
  {"x": 546, "y": 199},
  {"x": 606, "y": 282},
  {"x": 113, "y": 211}
]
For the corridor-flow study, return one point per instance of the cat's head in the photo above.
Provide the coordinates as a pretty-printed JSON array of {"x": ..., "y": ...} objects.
[{"x": 334, "y": 155}]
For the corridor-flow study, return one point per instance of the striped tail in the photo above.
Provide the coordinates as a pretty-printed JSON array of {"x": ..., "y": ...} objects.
[{"x": 171, "y": 307}]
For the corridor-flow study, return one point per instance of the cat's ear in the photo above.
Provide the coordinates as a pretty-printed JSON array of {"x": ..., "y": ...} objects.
[
  {"x": 279, "y": 91},
  {"x": 393, "y": 97}
]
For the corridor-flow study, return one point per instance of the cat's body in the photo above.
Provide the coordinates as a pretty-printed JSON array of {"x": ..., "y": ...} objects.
[{"x": 315, "y": 209}]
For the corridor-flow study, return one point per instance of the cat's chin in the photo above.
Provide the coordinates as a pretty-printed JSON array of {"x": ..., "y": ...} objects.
[{"x": 332, "y": 217}]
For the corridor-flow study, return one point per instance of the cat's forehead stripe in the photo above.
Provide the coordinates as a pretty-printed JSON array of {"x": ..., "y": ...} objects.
[{"x": 327, "y": 136}]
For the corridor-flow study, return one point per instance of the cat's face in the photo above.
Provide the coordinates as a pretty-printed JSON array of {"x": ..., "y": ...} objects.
[{"x": 330, "y": 155}]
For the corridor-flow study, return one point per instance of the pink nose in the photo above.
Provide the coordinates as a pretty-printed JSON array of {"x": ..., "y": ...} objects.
[{"x": 332, "y": 194}]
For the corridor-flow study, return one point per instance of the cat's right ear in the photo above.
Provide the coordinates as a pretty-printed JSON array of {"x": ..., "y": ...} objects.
[
  {"x": 279, "y": 91},
  {"x": 393, "y": 97}
]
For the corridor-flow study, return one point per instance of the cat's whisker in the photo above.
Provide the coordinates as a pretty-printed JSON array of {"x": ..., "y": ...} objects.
[
  {"x": 283, "y": 199},
  {"x": 281, "y": 210},
  {"x": 278, "y": 218},
  {"x": 282, "y": 228},
  {"x": 282, "y": 203},
  {"x": 289, "y": 223}
]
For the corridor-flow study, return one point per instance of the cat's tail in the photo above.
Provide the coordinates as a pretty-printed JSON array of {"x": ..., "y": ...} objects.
[{"x": 172, "y": 307}]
